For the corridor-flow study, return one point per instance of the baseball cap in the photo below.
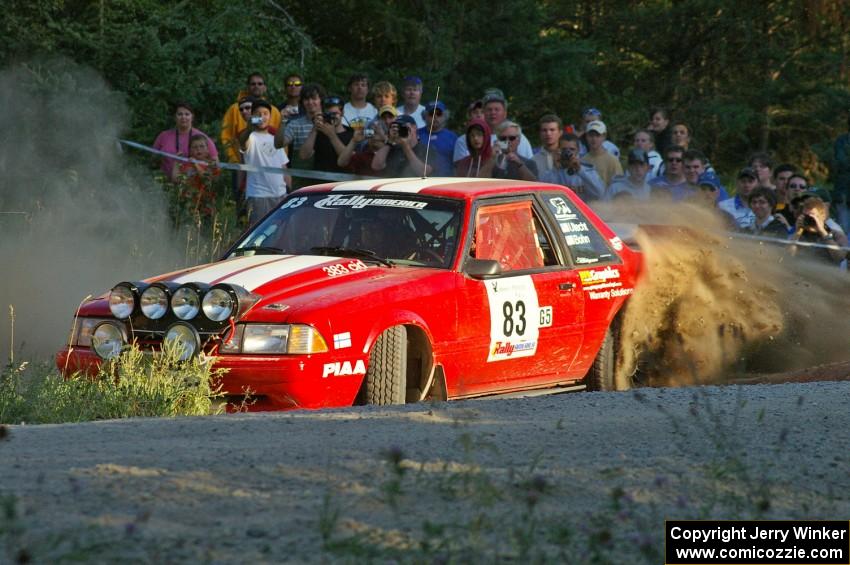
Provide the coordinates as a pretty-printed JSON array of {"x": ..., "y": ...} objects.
[
  {"x": 591, "y": 111},
  {"x": 821, "y": 193},
  {"x": 708, "y": 178},
  {"x": 598, "y": 127},
  {"x": 638, "y": 156},
  {"x": 475, "y": 104},
  {"x": 748, "y": 172},
  {"x": 412, "y": 79},
  {"x": 493, "y": 95},
  {"x": 388, "y": 108},
  {"x": 405, "y": 119},
  {"x": 436, "y": 105}
]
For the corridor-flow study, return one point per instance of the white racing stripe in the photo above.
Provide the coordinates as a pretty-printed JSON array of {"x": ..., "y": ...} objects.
[
  {"x": 412, "y": 185},
  {"x": 417, "y": 185},
  {"x": 251, "y": 276},
  {"x": 224, "y": 268}
]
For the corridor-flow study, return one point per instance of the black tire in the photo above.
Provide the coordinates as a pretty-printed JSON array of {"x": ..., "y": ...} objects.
[
  {"x": 601, "y": 374},
  {"x": 386, "y": 377}
]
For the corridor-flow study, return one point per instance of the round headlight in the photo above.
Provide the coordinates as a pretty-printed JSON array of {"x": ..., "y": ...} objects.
[
  {"x": 122, "y": 301},
  {"x": 107, "y": 340},
  {"x": 218, "y": 304},
  {"x": 185, "y": 303},
  {"x": 154, "y": 302},
  {"x": 185, "y": 338}
]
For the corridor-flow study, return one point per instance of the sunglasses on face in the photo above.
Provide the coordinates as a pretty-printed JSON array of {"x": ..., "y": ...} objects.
[
  {"x": 674, "y": 159},
  {"x": 294, "y": 83},
  {"x": 508, "y": 137}
]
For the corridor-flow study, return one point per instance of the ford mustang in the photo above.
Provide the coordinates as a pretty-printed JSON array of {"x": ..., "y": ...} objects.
[{"x": 389, "y": 291}]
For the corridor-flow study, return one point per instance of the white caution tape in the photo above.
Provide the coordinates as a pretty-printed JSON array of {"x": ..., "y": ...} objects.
[{"x": 321, "y": 175}]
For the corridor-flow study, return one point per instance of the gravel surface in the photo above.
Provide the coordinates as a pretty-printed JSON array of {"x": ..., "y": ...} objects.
[{"x": 562, "y": 477}]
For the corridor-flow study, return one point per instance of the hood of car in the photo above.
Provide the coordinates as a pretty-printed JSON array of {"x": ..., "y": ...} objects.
[{"x": 273, "y": 278}]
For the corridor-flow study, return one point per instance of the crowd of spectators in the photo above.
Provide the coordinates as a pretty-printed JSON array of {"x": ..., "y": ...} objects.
[{"x": 374, "y": 132}]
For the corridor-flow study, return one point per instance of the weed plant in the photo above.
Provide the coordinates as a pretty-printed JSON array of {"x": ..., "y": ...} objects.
[{"x": 135, "y": 384}]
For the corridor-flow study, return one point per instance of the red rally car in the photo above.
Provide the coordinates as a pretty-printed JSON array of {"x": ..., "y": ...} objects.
[{"x": 390, "y": 291}]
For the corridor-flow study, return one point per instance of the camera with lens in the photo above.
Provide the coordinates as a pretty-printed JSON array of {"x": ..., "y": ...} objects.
[
  {"x": 368, "y": 132},
  {"x": 329, "y": 118},
  {"x": 402, "y": 128},
  {"x": 256, "y": 120},
  {"x": 502, "y": 145},
  {"x": 809, "y": 222},
  {"x": 566, "y": 158}
]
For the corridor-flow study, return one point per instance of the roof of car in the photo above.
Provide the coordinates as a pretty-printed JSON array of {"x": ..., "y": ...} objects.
[{"x": 450, "y": 187}]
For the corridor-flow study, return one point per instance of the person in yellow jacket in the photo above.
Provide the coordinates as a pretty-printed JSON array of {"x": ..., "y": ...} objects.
[{"x": 233, "y": 122}]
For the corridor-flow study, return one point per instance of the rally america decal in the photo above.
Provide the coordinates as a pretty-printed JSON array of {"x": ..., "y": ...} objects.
[
  {"x": 603, "y": 284},
  {"x": 514, "y": 318}
]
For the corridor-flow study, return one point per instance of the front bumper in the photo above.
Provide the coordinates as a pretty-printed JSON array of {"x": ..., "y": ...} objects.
[{"x": 276, "y": 382}]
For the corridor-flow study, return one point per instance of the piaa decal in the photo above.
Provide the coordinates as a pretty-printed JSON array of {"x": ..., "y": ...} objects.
[{"x": 344, "y": 368}]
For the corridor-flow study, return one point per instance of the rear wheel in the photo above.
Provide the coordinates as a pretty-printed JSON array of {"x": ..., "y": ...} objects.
[
  {"x": 601, "y": 374},
  {"x": 386, "y": 378}
]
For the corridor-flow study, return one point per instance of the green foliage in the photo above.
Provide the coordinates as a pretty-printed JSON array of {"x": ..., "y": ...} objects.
[
  {"x": 133, "y": 385},
  {"x": 745, "y": 76}
]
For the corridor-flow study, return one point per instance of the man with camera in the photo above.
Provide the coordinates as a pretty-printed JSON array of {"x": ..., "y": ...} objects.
[
  {"x": 442, "y": 140},
  {"x": 296, "y": 132},
  {"x": 402, "y": 155},
  {"x": 509, "y": 165},
  {"x": 263, "y": 189},
  {"x": 328, "y": 137},
  {"x": 573, "y": 173}
]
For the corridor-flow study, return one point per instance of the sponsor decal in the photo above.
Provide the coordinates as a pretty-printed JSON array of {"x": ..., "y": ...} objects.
[
  {"x": 506, "y": 349},
  {"x": 343, "y": 340},
  {"x": 616, "y": 243},
  {"x": 338, "y": 269},
  {"x": 344, "y": 368},
  {"x": 586, "y": 260},
  {"x": 599, "y": 279},
  {"x": 572, "y": 227},
  {"x": 608, "y": 294},
  {"x": 357, "y": 201},
  {"x": 577, "y": 239},
  {"x": 514, "y": 318},
  {"x": 562, "y": 209}
]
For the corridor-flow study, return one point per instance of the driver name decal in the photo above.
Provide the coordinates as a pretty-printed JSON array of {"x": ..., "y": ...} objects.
[{"x": 514, "y": 318}]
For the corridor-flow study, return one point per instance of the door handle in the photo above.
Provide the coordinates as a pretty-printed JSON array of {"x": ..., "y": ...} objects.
[{"x": 567, "y": 285}]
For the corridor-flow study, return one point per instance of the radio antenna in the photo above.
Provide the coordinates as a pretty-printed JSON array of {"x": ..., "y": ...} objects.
[{"x": 430, "y": 131}]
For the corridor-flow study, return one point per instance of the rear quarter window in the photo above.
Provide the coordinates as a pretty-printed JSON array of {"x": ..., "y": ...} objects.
[{"x": 586, "y": 245}]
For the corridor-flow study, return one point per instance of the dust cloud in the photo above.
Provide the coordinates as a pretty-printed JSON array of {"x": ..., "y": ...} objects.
[
  {"x": 713, "y": 306},
  {"x": 76, "y": 216}
]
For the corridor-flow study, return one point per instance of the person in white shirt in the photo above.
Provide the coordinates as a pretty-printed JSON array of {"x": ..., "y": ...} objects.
[
  {"x": 357, "y": 112},
  {"x": 411, "y": 91},
  {"x": 264, "y": 189}
]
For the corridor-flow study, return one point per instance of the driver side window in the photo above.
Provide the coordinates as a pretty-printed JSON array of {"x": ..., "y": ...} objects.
[{"x": 512, "y": 235}]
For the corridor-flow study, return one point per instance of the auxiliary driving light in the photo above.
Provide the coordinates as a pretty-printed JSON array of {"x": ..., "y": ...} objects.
[
  {"x": 154, "y": 302},
  {"x": 122, "y": 300},
  {"x": 185, "y": 339},
  {"x": 107, "y": 340},
  {"x": 185, "y": 303},
  {"x": 219, "y": 303}
]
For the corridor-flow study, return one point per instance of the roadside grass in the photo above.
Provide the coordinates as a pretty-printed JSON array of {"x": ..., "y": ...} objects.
[{"x": 133, "y": 385}]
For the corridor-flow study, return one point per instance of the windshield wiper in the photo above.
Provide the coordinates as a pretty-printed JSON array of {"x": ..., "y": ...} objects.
[
  {"x": 262, "y": 250},
  {"x": 353, "y": 252}
]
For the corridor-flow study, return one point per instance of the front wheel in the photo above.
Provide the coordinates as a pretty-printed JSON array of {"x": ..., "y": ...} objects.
[{"x": 386, "y": 377}]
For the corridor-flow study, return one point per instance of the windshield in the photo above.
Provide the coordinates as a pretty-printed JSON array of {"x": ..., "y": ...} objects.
[{"x": 392, "y": 229}]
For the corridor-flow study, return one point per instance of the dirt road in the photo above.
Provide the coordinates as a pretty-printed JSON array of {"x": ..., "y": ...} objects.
[{"x": 558, "y": 477}]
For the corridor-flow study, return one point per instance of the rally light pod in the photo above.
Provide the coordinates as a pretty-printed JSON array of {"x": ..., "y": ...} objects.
[{"x": 124, "y": 299}]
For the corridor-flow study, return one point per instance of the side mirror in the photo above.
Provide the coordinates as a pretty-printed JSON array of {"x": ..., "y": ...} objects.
[{"x": 482, "y": 268}]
